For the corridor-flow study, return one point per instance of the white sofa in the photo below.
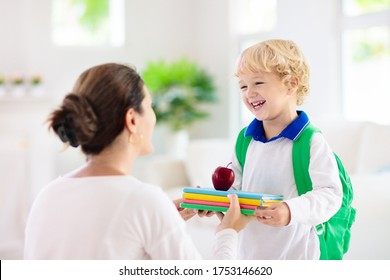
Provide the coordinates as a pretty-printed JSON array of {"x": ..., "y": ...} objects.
[{"x": 362, "y": 146}]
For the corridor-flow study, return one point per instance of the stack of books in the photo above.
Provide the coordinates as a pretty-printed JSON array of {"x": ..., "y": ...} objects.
[{"x": 214, "y": 200}]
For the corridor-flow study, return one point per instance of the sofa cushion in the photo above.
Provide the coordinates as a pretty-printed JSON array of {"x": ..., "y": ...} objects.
[
  {"x": 371, "y": 230},
  {"x": 344, "y": 138}
]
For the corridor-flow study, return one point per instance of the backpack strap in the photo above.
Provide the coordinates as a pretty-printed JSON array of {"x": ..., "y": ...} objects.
[
  {"x": 301, "y": 159},
  {"x": 242, "y": 144}
]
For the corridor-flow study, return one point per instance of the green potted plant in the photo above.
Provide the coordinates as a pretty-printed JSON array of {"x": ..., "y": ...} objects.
[
  {"x": 36, "y": 89},
  {"x": 36, "y": 80},
  {"x": 179, "y": 89}
]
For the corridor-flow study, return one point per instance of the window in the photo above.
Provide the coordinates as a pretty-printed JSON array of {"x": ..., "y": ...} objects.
[
  {"x": 359, "y": 7},
  {"x": 88, "y": 22},
  {"x": 366, "y": 60}
]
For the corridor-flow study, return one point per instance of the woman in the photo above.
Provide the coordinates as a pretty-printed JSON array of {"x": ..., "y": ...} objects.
[{"x": 100, "y": 211}]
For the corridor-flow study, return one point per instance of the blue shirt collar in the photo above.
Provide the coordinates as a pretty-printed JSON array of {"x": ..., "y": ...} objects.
[{"x": 256, "y": 129}]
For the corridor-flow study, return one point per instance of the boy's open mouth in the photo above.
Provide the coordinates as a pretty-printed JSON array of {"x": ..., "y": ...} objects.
[{"x": 257, "y": 104}]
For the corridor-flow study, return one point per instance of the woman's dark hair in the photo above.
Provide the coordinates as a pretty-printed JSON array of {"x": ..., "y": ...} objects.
[{"x": 93, "y": 115}]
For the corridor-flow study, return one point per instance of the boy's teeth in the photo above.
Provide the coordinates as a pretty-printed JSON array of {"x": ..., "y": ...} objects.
[{"x": 258, "y": 103}]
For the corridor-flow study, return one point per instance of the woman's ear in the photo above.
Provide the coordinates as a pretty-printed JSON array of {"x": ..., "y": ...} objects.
[{"x": 131, "y": 120}]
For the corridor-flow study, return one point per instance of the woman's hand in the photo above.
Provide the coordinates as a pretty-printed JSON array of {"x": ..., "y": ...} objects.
[
  {"x": 205, "y": 213},
  {"x": 277, "y": 215},
  {"x": 233, "y": 218},
  {"x": 185, "y": 213}
]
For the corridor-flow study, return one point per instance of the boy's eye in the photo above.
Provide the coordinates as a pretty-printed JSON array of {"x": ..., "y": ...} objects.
[
  {"x": 243, "y": 87},
  {"x": 259, "y": 83}
]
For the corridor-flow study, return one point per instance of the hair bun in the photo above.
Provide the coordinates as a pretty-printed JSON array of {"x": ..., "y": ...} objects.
[
  {"x": 66, "y": 135},
  {"x": 75, "y": 122}
]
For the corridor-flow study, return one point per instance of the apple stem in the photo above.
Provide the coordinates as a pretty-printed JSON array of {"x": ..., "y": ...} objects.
[{"x": 229, "y": 164}]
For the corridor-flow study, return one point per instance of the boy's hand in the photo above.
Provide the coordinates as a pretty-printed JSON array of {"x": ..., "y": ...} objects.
[{"x": 277, "y": 215}]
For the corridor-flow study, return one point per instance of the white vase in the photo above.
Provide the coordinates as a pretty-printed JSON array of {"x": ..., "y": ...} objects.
[
  {"x": 36, "y": 91},
  {"x": 18, "y": 91},
  {"x": 176, "y": 143}
]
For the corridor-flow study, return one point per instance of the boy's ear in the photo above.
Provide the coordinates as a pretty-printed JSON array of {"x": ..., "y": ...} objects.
[{"x": 293, "y": 84}]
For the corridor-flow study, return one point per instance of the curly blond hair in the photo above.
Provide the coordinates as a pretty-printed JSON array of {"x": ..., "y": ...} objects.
[{"x": 280, "y": 56}]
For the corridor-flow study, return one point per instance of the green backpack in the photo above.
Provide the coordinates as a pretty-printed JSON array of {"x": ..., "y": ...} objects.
[{"x": 334, "y": 235}]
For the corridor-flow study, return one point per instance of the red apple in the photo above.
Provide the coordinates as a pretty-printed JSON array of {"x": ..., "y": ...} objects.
[{"x": 223, "y": 178}]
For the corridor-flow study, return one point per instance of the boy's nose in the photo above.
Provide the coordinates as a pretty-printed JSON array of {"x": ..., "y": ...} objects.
[{"x": 251, "y": 92}]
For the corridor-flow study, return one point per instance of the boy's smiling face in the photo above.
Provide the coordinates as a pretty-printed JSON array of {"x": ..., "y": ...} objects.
[{"x": 265, "y": 95}]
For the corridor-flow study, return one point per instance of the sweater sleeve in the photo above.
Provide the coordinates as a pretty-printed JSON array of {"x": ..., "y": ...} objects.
[
  {"x": 225, "y": 247},
  {"x": 320, "y": 204}
]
